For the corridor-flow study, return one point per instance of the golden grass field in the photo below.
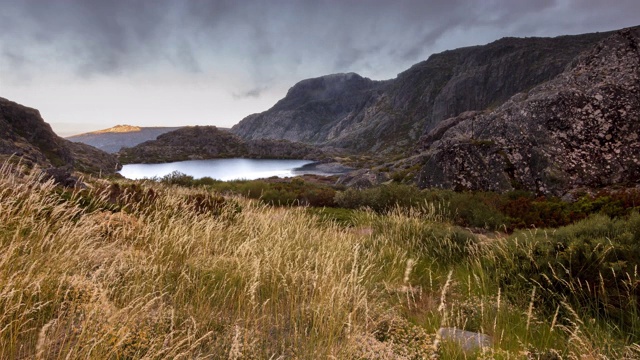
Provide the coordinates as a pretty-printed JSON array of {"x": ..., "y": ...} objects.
[{"x": 165, "y": 278}]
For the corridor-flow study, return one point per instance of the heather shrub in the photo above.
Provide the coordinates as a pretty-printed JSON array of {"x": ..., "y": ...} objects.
[{"x": 591, "y": 265}]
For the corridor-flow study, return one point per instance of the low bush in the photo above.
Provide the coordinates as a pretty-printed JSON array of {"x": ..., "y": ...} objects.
[
  {"x": 381, "y": 198},
  {"x": 591, "y": 265},
  {"x": 340, "y": 216},
  {"x": 492, "y": 211},
  {"x": 282, "y": 193},
  {"x": 273, "y": 192}
]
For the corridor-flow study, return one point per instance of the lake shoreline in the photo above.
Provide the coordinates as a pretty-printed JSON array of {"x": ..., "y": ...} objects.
[
  {"x": 230, "y": 169},
  {"x": 333, "y": 168}
]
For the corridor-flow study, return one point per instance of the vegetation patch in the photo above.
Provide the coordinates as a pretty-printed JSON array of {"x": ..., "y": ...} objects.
[{"x": 138, "y": 270}]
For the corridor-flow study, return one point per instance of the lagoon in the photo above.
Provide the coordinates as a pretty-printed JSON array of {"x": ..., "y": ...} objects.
[{"x": 222, "y": 169}]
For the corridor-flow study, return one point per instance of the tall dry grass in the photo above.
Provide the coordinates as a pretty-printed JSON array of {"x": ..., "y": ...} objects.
[
  {"x": 165, "y": 278},
  {"x": 161, "y": 280}
]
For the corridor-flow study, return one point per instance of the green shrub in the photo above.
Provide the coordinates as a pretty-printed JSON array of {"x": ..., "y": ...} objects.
[
  {"x": 492, "y": 211},
  {"x": 178, "y": 178},
  {"x": 479, "y": 210},
  {"x": 591, "y": 265},
  {"x": 281, "y": 193},
  {"x": 340, "y": 216},
  {"x": 381, "y": 199}
]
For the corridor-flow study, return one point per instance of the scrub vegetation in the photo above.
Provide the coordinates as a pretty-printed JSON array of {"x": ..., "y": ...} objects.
[{"x": 168, "y": 270}]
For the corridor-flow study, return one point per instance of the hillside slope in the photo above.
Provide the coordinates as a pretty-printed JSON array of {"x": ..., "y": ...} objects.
[
  {"x": 209, "y": 142},
  {"x": 113, "y": 139},
  {"x": 581, "y": 129},
  {"x": 23, "y": 133},
  {"x": 356, "y": 113}
]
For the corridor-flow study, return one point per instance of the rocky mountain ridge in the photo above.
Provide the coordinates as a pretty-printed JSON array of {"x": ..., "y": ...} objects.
[
  {"x": 25, "y": 135},
  {"x": 209, "y": 142},
  {"x": 355, "y": 113},
  {"x": 579, "y": 130}
]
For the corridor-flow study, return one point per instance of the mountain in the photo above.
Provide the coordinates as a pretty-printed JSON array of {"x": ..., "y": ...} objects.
[
  {"x": 23, "y": 133},
  {"x": 209, "y": 142},
  {"x": 113, "y": 139},
  {"x": 578, "y": 130},
  {"x": 385, "y": 117}
]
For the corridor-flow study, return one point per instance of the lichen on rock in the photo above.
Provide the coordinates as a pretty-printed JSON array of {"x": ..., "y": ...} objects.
[{"x": 580, "y": 129}]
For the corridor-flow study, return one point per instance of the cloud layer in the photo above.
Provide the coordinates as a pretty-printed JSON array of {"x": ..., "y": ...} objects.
[
  {"x": 250, "y": 47},
  {"x": 266, "y": 38}
]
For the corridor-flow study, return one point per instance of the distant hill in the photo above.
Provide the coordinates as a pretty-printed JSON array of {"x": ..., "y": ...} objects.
[
  {"x": 388, "y": 117},
  {"x": 113, "y": 139},
  {"x": 209, "y": 142},
  {"x": 24, "y": 134}
]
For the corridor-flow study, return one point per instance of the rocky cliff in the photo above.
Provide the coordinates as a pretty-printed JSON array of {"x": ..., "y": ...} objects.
[
  {"x": 314, "y": 110},
  {"x": 115, "y": 138},
  {"x": 209, "y": 142},
  {"x": 356, "y": 113},
  {"x": 24, "y": 134},
  {"x": 580, "y": 129}
]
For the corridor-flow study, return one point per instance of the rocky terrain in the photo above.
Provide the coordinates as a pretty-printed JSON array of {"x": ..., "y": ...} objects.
[
  {"x": 388, "y": 117},
  {"x": 115, "y": 138},
  {"x": 579, "y": 130},
  {"x": 209, "y": 142},
  {"x": 548, "y": 115},
  {"x": 26, "y": 136}
]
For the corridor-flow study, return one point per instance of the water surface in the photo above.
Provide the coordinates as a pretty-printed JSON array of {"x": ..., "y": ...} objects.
[{"x": 220, "y": 169}]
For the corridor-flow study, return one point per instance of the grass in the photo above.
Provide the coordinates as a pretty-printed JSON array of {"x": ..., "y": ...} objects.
[{"x": 161, "y": 271}]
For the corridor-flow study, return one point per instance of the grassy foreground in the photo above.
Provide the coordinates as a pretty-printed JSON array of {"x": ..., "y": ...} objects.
[{"x": 159, "y": 271}]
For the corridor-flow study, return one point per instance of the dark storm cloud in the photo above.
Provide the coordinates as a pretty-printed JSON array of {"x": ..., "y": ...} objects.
[{"x": 269, "y": 39}]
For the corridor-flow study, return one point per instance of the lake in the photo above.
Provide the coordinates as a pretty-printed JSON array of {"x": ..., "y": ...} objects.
[{"x": 222, "y": 169}]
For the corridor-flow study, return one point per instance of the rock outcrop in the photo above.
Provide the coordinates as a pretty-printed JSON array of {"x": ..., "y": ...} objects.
[
  {"x": 209, "y": 142},
  {"x": 25, "y": 135},
  {"x": 355, "y": 113},
  {"x": 314, "y": 110},
  {"x": 468, "y": 341},
  {"x": 581, "y": 129}
]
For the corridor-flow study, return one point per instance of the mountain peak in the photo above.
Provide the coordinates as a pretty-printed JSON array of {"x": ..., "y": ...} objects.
[
  {"x": 118, "y": 129},
  {"x": 329, "y": 86},
  {"x": 358, "y": 114}
]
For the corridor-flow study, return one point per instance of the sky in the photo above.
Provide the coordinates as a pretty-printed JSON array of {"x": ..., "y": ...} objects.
[{"x": 92, "y": 64}]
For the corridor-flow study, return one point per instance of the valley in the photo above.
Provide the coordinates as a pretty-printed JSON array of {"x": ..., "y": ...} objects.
[{"x": 490, "y": 191}]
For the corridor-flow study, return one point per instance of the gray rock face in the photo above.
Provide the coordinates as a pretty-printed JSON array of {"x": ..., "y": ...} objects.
[
  {"x": 363, "y": 178},
  {"x": 24, "y": 133},
  {"x": 313, "y": 111},
  {"x": 581, "y": 129},
  {"x": 326, "y": 168},
  {"x": 355, "y": 113}
]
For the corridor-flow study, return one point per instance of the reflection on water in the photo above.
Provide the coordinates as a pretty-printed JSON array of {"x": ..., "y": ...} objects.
[{"x": 220, "y": 169}]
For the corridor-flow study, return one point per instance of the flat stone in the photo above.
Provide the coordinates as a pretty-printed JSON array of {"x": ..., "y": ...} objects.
[{"x": 468, "y": 341}]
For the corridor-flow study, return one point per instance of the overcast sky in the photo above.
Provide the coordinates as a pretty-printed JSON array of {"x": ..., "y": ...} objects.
[{"x": 92, "y": 64}]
